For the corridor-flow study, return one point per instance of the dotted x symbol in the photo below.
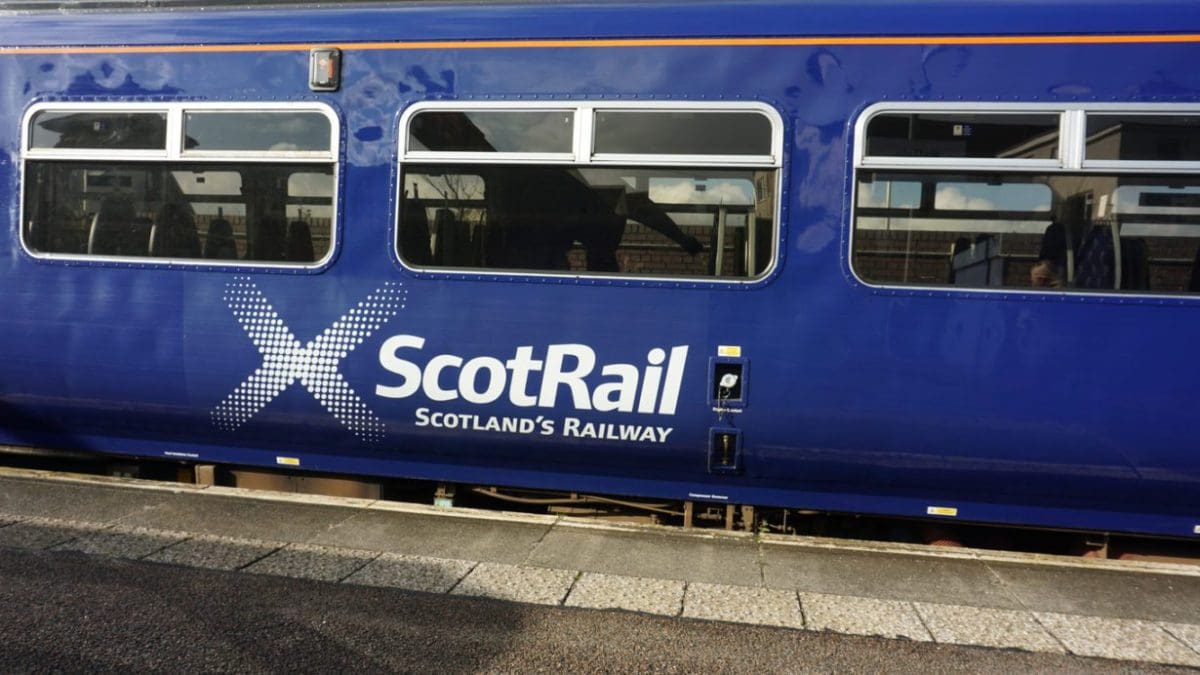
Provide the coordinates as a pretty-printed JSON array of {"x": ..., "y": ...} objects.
[{"x": 286, "y": 360}]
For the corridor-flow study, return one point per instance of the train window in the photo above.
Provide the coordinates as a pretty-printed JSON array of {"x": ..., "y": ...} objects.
[
  {"x": 1140, "y": 137},
  {"x": 1106, "y": 231},
  {"x": 631, "y": 221},
  {"x": 274, "y": 131},
  {"x": 967, "y": 134},
  {"x": 642, "y": 190},
  {"x": 216, "y": 212},
  {"x": 682, "y": 133},
  {"x": 1113, "y": 205},
  {"x": 251, "y": 184},
  {"x": 521, "y": 131},
  {"x": 116, "y": 130}
]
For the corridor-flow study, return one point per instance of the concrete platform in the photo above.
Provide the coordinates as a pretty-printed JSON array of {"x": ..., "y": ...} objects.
[{"x": 1148, "y": 612}]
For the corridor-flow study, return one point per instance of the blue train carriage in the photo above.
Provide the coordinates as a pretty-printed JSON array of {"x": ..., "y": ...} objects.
[{"x": 934, "y": 261}]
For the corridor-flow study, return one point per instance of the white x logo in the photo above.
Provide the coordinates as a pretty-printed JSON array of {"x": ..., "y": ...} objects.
[{"x": 315, "y": 364}]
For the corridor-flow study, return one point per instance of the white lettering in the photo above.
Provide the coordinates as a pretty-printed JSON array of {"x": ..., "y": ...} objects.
[
  {"x": 617, "y": 395},
  {"x": 555, "y": 376},
  {"x": 670, "y": 393},
  {"x": 433, "y": 370},
  {"x": 576, "y": 428},
  {"x": 521, "y": 365},
  {"x": 497, "y": 378},
  {"x": 570, "y": 427},
  {"x": 653, "y": 377},
  {"x": 653, "y": 388},
  {"x": 394, "y": 364}
]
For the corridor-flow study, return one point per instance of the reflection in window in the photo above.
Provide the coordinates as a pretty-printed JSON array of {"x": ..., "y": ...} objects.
[
  {"x": 991, "y": 196},
  {"x": 1070, "y": 231},
  {"x": 549, "y": 131},
  {"x": 982, "y": 135},
  {"x": 99, "y": 130},
  {"x": 558, "y": 219},
  {"x": 1166, "y": 138},
  {"x": 257, "y": 130},
  {"x": 890, "y": 193},
  {"x": 211, "y": 211},
  {"x": 682, "y": 133}
]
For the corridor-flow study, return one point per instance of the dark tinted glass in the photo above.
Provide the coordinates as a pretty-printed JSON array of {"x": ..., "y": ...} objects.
[
  {"x": 265, "y": 131},
  {"x": 963, "y": 135},
  {"x": 258, "y": 212},
  {"x": 99, "y": 130},
  {"x": 1163, "y": 138},
  {"x": 683, "y": 133},
  {"x": 1089, "y": 232},
  {"x": 493, "y": 131},
  {"x": 655, "y": 222}
]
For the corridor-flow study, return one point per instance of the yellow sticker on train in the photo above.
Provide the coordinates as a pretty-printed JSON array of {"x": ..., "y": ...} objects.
[
  {"x": 731, "y": 351},
  {"x": 941, "y": 511},
  {"x": 288, "y": 461}
]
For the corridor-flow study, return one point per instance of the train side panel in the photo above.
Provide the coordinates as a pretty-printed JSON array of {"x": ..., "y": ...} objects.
[{"x": 1041, "y": 409}]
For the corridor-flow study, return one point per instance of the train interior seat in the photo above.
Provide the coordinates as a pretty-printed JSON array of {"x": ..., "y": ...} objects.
[
  {"x": 479, "y": 240},
  {"x": 1135, "y": 264},
  {"x": 452, "y": 247},
  {"x": 1097, "y": 264},
  {"x": 269, "y": 241},
  {"x": 173, "y": 234},
  {"x": 414, "y": 234},
  {"x": 220, "y": 244},
  {"x": 117, "y": 230},
  {"x": 299, "y": 242}
]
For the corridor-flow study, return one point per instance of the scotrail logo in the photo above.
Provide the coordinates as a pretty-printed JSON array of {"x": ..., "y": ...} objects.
[{"x": 314, "y": 364}]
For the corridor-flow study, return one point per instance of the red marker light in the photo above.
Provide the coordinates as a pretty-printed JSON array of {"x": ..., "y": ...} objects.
[{"x": 324, "y": 69}]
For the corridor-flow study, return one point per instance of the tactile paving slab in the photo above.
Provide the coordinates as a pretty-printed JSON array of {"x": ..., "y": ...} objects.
[
  {"x": 122, "y": 543},
  {"x": 986, "y": 627},
  {"x": 636, "y": 594},
  {"x": 412, "y": 572},
  {"x": 218, "y": 553},
  {"x": 862, "y": 616},
  {"x": 44, "y": 533},
  {"x": 743, "y": 604},
  {"x": 1117, "y": 639},
  {"x": 305, "y": 561},
  {"x": 1188, "y": 634},
  {"x": 540, "y": 585}
]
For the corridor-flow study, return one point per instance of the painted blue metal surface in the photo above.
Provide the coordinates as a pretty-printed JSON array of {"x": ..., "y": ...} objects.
[
  {"x": 1046, "y": 410},
  {"x": 506, "y": 20}
]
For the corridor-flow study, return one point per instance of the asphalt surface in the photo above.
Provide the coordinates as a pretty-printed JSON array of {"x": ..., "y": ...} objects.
[{"x": 71, "y": 612}]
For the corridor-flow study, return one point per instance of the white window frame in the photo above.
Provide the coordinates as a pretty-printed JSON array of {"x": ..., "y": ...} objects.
[
  {"x": 582, "y": 155},
  {"x": 865, "y": 161},
  {"x": 174, "y": 152},
  {"x": 1072, "y": 138},
  {"x": 468, "y": 157},
  {"x": 1138, "y": 166}
]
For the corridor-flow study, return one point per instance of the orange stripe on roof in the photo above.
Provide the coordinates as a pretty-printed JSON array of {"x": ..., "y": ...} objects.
[{"x": 626, "y": 42}]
